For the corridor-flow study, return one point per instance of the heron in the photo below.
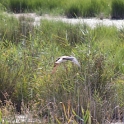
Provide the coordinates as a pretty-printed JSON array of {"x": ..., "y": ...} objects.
[{"x": 64, "y": 59}]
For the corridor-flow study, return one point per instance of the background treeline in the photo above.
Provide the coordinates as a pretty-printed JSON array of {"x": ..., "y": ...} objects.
[{"x": 69, "y": 8}]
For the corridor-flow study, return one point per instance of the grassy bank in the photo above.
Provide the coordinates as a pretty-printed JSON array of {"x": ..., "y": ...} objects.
[
  {"x": 90, "y": 93},
  {"x": 73, "y": 8}
]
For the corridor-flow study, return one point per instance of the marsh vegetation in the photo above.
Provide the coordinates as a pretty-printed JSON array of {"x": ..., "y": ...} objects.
[
  {"x": 74, "y": 8},
  {"x": 93, "y": 93}
]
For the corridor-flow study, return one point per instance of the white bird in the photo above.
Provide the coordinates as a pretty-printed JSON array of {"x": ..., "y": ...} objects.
[{"x": 64, "y": 59}]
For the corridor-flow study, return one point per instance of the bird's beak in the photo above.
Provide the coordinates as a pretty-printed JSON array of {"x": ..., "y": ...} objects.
[{"x": 55, "y": 67}]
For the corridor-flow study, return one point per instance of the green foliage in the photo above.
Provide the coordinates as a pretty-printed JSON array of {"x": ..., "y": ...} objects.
[
  {"x": 93, "y": 8},
  {"x": 89, "y": 8},
  {"x": 117, "y": 9},
  {"x": 9, "y": 27},
  {"x": 73, "y": 8},
  {"x": 18, "y": 6},
  {"x": 86, "y": 117},
  {"x": 2, "y": 7},
  {"x": 119, "y": 84},
  {"x": 26, "y": 66}
]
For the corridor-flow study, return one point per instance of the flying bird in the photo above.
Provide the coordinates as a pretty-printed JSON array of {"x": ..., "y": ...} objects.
[{"x": 64, "y": 59}]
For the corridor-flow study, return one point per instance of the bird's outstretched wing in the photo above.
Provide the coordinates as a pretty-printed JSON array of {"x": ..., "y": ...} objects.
[
  {"x": 74, "y": 60},
  {"x": 63, "y": 59}
]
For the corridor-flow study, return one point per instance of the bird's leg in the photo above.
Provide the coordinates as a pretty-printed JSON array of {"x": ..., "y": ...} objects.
[{"x": 54, "y": 68}]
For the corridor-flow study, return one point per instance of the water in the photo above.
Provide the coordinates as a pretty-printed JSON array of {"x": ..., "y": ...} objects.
[{"x": 92, "y": 22}]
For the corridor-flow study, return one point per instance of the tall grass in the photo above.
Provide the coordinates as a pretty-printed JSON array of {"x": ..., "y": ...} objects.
[
  {"x": 19, "y": 6},
  {"x": 73, "y": 8},
  {"x": 117, "y": 9},
  {"x": 11, "y": 28},
  {"x": 87, "y": 95},
  {"x": 8, "y": 28},
  {"x": 86, "y": 8}
]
